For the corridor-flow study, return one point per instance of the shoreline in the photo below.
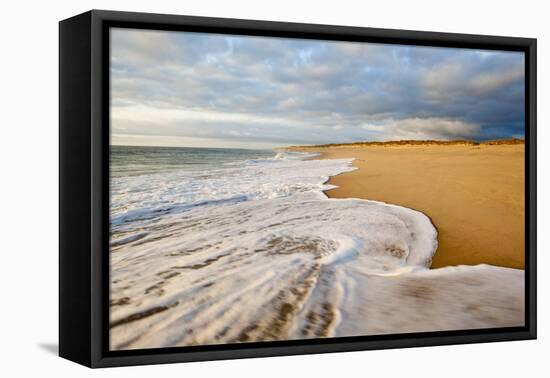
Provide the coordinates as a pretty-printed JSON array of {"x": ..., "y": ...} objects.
[
  {"x": 311, "y": 268},
  {"x": 473, "y": 194}
]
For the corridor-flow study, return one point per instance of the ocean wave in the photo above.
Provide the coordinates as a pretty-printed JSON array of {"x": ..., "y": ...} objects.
[
  {"x": 145, "y": 197},
  {"x": 285, "y": 263}
]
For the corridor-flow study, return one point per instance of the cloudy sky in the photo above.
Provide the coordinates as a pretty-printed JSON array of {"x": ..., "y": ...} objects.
[{"x": 208, "y": 90}]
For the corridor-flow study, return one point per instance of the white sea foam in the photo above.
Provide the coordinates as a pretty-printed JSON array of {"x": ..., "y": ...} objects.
[
  {"x": 149, "y": 196},
  {"x": 255, "y": 251}
]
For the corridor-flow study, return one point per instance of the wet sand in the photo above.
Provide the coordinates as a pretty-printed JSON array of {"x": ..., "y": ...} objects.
[{"x": 474, "y": 194}]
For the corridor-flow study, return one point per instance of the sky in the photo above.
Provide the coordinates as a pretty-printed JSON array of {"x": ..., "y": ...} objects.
[{"x": 210, "y": 90}]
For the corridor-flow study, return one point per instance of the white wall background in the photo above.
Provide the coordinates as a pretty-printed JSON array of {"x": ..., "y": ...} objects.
[{"x": 28, "y": 211}]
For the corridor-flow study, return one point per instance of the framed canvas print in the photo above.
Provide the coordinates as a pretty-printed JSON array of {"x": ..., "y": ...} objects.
[{"x": 234, "y": 188}]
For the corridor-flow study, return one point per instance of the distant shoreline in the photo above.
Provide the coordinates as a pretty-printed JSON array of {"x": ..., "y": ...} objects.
[{"x": 406, "y": 142}]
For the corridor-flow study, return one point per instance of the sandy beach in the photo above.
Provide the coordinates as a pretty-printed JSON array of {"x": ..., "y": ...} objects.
[
  {"x": 474, "y": 194},
  {"x": 224, "y": 228},
  {"x": 287, "y": 263}
]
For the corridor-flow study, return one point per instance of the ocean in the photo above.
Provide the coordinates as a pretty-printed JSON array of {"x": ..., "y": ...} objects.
[
  {"x": 149, "y": 182},
  {"x": 214, "y": 246}
]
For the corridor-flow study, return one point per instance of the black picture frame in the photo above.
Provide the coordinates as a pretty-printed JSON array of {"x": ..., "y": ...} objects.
[{"x": 84, "y": 187}]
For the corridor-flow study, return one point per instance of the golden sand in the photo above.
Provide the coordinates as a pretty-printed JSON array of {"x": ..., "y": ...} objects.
[{"x": 474, "y": 194}]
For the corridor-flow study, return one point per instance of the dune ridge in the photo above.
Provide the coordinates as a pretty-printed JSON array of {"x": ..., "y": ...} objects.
[{"x": 411, "y": 142}]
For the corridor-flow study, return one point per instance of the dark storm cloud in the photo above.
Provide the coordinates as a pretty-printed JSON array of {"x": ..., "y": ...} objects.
[{"x": 285, "y": 91}]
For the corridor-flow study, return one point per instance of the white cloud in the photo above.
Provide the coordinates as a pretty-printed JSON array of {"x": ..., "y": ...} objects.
[
  {"x": 179, "y": 141},
  {"x": 491, "y": 82},
  {"x": 429, "y": 128},
  {"x": 157, "y": 115},
  {"x": 371, "y": 127}
]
